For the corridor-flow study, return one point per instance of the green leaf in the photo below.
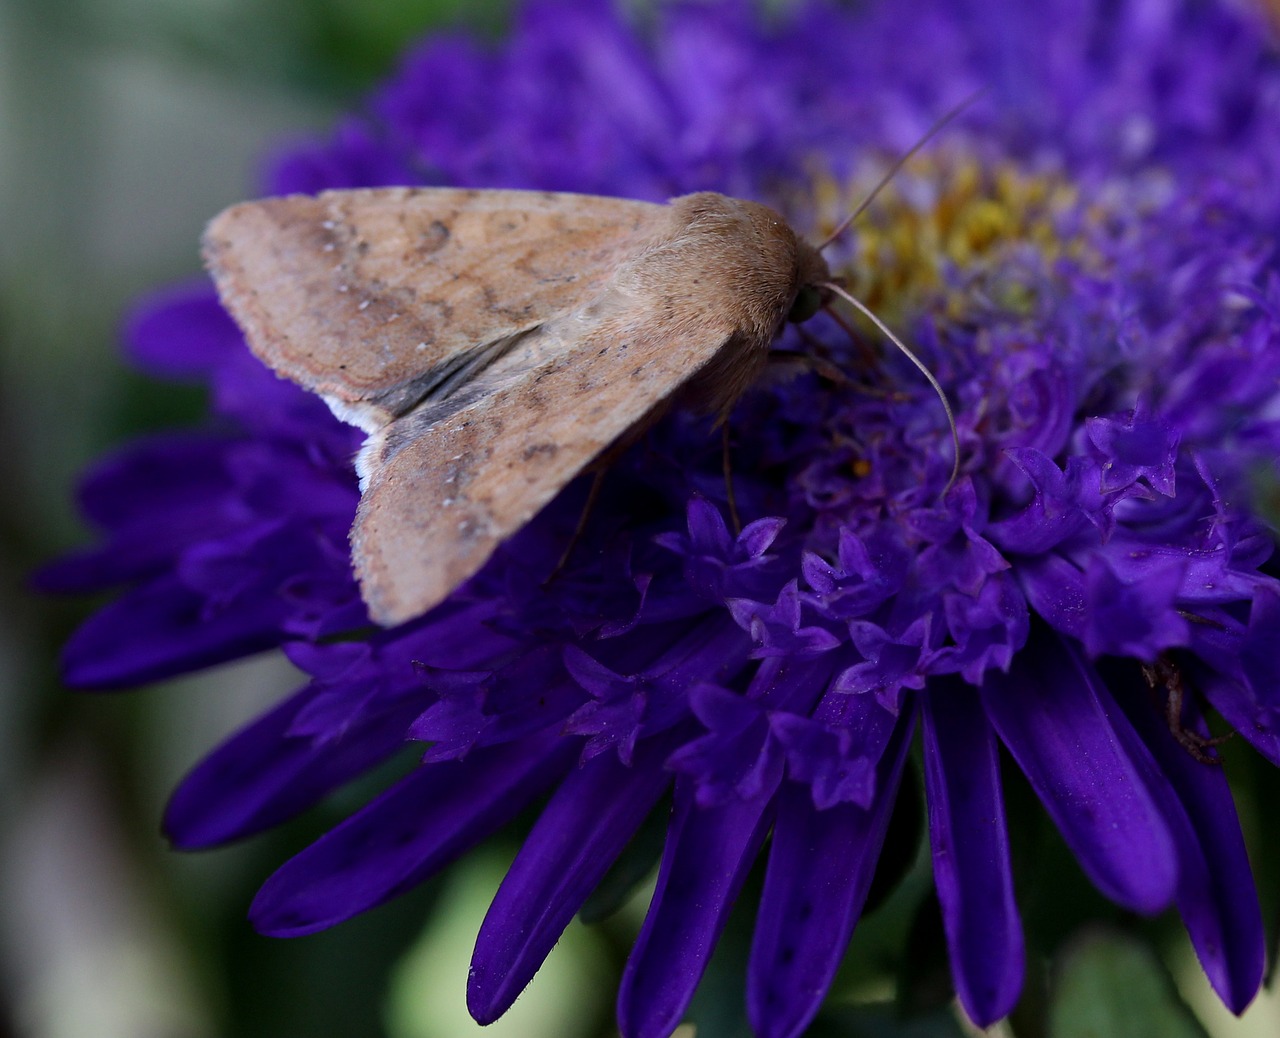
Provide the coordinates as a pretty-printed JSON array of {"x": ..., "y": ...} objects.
[{"x": 1111, "y": 985}]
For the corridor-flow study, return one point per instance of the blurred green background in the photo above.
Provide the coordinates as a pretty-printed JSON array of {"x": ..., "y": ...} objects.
[{"x": 125, "y": 124}]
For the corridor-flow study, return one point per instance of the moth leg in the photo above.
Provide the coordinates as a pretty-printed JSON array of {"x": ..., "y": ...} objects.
[
  {"x": 864, "y": 348},
  {"x": 792, "y": 364},
  {"x": 728, "y": 478},
  {"x": 593, "y": 494},
  {"x": 1164, "y": 675}
]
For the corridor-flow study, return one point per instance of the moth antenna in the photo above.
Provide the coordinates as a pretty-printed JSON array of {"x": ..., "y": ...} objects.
[
  {"x": 937, "y": 387},
  {"x": 932, "y": 132}
]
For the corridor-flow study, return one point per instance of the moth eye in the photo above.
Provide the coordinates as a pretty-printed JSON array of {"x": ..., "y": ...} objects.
[{"x": 808, "y": 302}]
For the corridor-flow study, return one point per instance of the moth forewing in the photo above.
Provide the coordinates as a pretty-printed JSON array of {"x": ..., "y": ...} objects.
[
  {"x": 368, "y": 296},
  {"x": 496, "y": 343}
]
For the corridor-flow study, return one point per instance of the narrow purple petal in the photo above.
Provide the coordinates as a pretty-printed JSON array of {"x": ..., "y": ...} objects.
[
  {"x": 1216, "y": 895},
  {"x": 1259, "y": 655},
  {"x": 1054, "y": 714},
  {"x": 420, "y": 824},
  {"x": 261, "y": 776},
  {"x": 181, "y": 331},
  {"x": 163, "y": 629},
  {"x": 707, "y": 856},
  {"x": 821, "y": 863},
  {"x": 1056, "y": 590},
  {"x": 1235, "y": 701},
  {"x": 153, "y": 484},
  {"x": 1222, "y": 648},
  {"x": 970, "y": 845},
  {"x": 578, "y": 836}
]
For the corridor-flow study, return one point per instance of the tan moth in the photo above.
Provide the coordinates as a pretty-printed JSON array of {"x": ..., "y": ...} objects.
[{"x": 494, "y": 343}]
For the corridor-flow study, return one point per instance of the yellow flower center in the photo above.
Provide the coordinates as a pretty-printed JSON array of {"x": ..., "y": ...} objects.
[{"x": 941, "y": 216}]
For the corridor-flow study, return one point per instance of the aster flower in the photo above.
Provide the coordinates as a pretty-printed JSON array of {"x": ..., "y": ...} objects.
[{"x": 1086, "y": 262}]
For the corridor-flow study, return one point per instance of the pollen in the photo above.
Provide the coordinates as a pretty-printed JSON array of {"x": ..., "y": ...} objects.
[{"x": 943, "y": 223}]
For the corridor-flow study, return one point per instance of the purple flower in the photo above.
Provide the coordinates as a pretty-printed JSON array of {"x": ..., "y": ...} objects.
[{"x": 1087, "y": 263}]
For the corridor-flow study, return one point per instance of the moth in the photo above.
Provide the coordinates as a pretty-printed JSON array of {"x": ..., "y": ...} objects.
[{"x": 493, "y": 344}]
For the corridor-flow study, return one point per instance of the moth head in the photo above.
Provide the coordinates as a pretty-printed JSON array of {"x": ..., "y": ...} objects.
[
  {"x": 809, "y": 300},
  {"x": 812, "y": 275}
]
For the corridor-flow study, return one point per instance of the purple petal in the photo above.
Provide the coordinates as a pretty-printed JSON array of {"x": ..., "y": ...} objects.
[
  {"x": 181, "y": 331},
  {"x": 716, "y": 565},
  {"x": 1235, "y": 701},
  {"x": 630, "y": 707},
  {"x": 776, "y": 629},
  {"x": 987, "y": 629},
  {"x": 707, "y": 528},
  {"x": 1056, "y": 590},
  {"x": 1216, "y": 895},
  {"x": 738, "y": 757},
  {"x": 447, "y": 74},
  {"x": 1260, "y": 651},
  {"x": 707, "y": 856},
  {"x": 1054, "y": 714},
  {"x": 576, "y": 839},
  {"x": 1135, "y": 446},
  {"x": 1136, "y": 617},
  {"x": 963, "y": 561},
  {"x": 870, "y": 570},
  {"x": 826, "y": 757},
  {"x": 261, "y": 776},
  {"x": 1052, "y": 515},
  {"x": 890, "y": 663},
  {"x": 970, "y": 848},
  {"x": 757, "y": 537},
  {"x": 820, "y": 867},
  {"x": 154, "y": 498},
  {"x": 161, "y": 630},
  {"x": 361, "y": 156},
  {"x": 399, "y": 839},
  {"x": 153, "y": 482},
  {"x": 1218, "y": 672}
]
